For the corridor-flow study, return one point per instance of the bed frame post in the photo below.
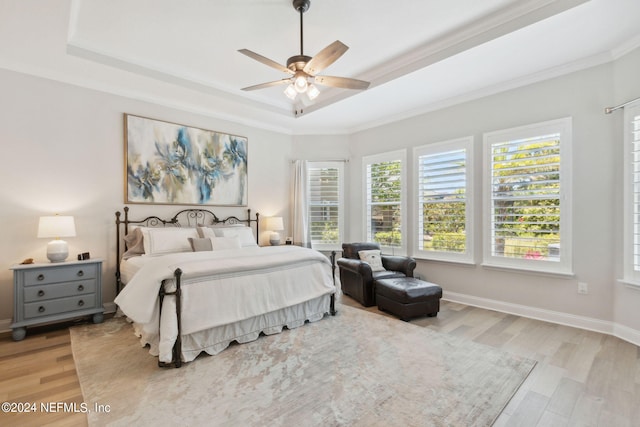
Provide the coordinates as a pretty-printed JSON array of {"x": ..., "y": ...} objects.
[
  {"x": 257, "y": 221},
  {"x": 332, "y": 307},
  {"x": 118, "y": 280},
  {"x": 118, "y": 252},
  {"x": 177, "y": 346}
]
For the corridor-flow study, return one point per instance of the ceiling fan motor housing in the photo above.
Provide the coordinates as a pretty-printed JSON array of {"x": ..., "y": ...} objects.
[{"x": 297, "y": 62}]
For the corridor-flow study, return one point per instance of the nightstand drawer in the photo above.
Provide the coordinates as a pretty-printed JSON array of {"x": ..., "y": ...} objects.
[
  {"x": 62, "y": 274},
  {"x": 59, "y": 290},
  {"x": 62, "y": 305}
]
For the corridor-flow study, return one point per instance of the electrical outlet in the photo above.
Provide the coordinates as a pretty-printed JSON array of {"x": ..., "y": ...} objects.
[{"x": 583, "y": 288}]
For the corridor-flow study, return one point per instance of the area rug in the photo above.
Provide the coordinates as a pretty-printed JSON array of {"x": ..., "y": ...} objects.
[{"x": 354, "y": 369}]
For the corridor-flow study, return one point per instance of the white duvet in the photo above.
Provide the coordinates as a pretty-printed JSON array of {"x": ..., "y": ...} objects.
[{"x": 222, "y": 287}]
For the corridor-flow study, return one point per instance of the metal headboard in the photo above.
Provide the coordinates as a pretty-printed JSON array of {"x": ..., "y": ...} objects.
[{"x": 184, "y": 218}]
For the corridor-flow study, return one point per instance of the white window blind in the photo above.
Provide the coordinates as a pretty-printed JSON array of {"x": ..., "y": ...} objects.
[
  {"x": 527, "y": 196},
  {"x": 444, "y": 210},
  {"x": 384, "y": 202},
  {"x": 325, "y": 203},
  {"x": 632, "y": 192},
  {"x": 634, "y": 136}
]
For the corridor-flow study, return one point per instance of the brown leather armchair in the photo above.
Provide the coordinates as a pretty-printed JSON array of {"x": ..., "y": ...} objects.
[{"x": 356, "y": 275}]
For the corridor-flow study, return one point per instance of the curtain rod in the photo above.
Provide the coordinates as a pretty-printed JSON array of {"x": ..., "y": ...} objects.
[
  {"x": 612, "y": 109},
  {"x": 325, "y": 160}
]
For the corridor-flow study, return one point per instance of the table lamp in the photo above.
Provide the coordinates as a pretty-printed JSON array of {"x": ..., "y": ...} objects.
[
  {"x": 57, "y": 226},
  {"x": 275, "y": 224}
]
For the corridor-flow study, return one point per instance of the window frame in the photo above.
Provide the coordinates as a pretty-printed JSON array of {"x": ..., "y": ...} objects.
[
  {"x": 564, "y": 266},
  {"x": 464, "y": 143},
  {"x": 341, "y": 211},
  {"x": 631, "y": 276},
  {"x": 397, "y": 155}
]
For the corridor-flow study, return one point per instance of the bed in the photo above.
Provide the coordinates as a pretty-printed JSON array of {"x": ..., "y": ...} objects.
[{"x": 195, "y": 283}]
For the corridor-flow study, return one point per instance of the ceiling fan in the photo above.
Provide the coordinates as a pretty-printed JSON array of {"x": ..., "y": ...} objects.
[{"x": 304, "y": 69}]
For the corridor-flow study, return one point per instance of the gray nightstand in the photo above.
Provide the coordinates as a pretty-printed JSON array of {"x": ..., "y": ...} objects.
[{"x": 53, "y": 292}]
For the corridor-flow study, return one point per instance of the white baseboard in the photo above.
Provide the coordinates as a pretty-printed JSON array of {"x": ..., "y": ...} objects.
[
  {"x": 5, "y": 324},
  {"x": 588, "y": 323},
  {"x": 626, "y": 333}
]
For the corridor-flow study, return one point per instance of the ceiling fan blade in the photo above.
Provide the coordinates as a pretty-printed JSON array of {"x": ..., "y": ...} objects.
[
  {"x": 325, "y": 57},
  {"x": 343, "y": 82},
  {"x": 265, "y": 60},
  {"x": 269, "y": 84}
]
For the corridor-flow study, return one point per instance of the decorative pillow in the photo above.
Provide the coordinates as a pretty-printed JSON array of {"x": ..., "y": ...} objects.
[
  {"x": 200, "y": 244},
  {"x": 373, "y": 258},
  {"x": 206, "y": 232},
  {"x": 134, "y": 241},
  {"x": 244, "y": 234},
  {"x": 160, "y": 241},
  {"x": 221, "y": 243}
]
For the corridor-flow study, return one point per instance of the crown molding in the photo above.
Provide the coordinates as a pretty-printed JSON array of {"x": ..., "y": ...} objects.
[
  {"x": 490, "y": 27},
  {"x": 547, "y": 74},
  {"x": 626, "y": 47}
]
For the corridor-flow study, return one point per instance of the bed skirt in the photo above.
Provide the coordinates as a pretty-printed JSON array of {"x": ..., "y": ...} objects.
[{"x": 213, "y": 341}]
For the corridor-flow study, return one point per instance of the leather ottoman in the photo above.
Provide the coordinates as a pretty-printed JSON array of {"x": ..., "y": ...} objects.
[{"x": 408, "y": 297}]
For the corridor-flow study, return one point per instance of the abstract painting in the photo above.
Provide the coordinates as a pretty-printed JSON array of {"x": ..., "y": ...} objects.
[{"x": 168, "y": 163}]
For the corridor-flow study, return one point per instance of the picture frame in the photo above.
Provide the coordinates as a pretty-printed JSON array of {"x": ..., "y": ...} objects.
[{"x": 170, "y": 163}]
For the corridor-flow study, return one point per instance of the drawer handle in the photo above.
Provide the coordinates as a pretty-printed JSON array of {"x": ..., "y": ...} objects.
[
  {"x": 40, "y": 293},
  {"x": 80, "y": 303},
  {"x": 40, "y": 276},
  {"x": 41, "y": 309},
  {"x": 80, "y": 288},
  {"x": 80, "y": 273}
]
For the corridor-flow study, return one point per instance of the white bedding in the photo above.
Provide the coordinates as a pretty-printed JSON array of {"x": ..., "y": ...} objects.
[
  {"x": 221, "y": 288},
  {"x": 129, "y": 267}
]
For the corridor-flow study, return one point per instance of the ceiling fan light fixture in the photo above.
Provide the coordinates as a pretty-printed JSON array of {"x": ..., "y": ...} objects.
[
  {"x": 312, "y": 92},
  {"x": 291, "y": 92},
  {"x": 300, "y": 83},
  {"x": 303, "y": 70}
]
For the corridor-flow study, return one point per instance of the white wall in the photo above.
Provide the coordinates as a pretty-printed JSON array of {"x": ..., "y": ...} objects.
[
  {"x": 581, "y": 95},
  {"x": 62, "y": 152},
  {"x": 626, "y": 87}
]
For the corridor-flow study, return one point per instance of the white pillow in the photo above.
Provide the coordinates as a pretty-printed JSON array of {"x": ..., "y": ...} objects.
[
  {"x": 221, "y": 243},
  {"x": 201, "y": 244},
  {"x": 206, "y": 232},
  {"x": 215, "y": 230},
  {"x": 159, "y": 241},
  {"x": 244, "y": 234},
  {"x": 373, "y": 258}
]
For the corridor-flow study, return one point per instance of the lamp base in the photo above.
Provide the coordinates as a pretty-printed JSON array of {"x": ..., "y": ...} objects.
[
  {"x": 274, "y": 239},
  {"x": 57, "y": 250}
]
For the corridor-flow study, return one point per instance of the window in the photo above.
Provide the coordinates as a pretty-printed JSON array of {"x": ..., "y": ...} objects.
[
  {"x": 527, "y": 197},
  {"x": 444, "y": 216},
  {"x": 632, "y": 193},
  {"x": 384, "y": 201},
  {"x": 326, "y": 202}
]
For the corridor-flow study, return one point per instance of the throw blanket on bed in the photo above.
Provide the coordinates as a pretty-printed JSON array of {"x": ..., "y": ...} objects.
[{"x": 235, "y": 284}]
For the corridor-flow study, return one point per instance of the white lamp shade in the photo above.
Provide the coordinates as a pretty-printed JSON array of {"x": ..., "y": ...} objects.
[
  {"x": 56, "y": 227},
  {"x": 312, "y": 92},
  {"x": 275, "y": 223},
  {"x": 290, "y": 91}
]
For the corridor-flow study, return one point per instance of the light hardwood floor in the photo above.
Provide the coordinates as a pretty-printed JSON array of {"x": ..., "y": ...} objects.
[{"x": 582, "y": 378}]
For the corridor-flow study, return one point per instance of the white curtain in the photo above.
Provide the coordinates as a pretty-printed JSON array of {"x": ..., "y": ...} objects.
[{"x": 299, "y": 204}]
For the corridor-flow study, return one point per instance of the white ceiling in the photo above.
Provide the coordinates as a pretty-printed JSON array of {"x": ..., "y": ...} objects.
[{"x": 419, "y": 55}]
